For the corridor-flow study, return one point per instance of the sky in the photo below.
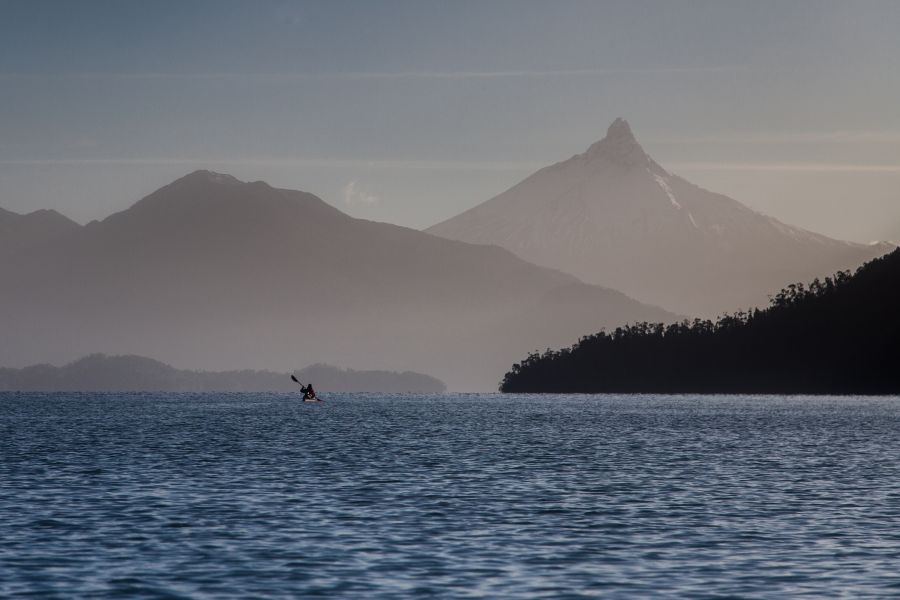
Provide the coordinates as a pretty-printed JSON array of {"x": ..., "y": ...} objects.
[{"x": 411, "y": 112}]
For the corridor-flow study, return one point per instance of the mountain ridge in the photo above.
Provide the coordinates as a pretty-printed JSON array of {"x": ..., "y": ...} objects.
[
  {"x": 19, "y": 232},
  {"x": 214, "y": 273},
  {"x": 613, "y": 216}
]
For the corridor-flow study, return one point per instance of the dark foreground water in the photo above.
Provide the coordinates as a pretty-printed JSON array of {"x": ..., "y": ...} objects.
[{"x": 228, "y": 496}]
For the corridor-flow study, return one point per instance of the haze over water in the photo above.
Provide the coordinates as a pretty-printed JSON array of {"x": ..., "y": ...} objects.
[{"x": 255, "y": 495}]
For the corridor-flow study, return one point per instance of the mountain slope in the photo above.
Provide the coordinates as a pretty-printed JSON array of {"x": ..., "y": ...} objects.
[
  {"x": 838, "y": 336},
  {"x": 213, "y": 273},
  {"x": 613, "y": 216},
  {"x": 20, "y": 232}
]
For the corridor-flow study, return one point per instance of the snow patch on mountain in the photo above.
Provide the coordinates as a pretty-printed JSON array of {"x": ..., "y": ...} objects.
[
  {"x": 693, "y": 221},
  {"x": 668, "y": 190}
]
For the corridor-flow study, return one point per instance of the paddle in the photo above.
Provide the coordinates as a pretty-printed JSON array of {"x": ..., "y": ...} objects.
[{"x": 297, "y": 381}]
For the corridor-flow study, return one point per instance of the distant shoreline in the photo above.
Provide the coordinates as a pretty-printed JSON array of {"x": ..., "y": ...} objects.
[{"x": 102, "y": 373}]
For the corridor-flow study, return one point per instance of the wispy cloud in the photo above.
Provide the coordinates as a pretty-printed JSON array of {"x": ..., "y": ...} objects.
[
  {"x": 364, "y": 75},
  {"x": 299, "y": 162},
  {"x": 784, "y": 167},
  {"x": 436, "y": 165},
  {"x": 354, "y": 195},
  {"x": 527, "y": 73},
  {"x": 807, "y": 137}
]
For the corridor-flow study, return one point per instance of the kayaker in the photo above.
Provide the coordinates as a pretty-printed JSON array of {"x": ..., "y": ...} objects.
[{"x": 308, "y": 392}]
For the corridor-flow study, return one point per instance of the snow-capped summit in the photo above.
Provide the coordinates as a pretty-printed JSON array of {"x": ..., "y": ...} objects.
[{"x": 613, "y": 216}]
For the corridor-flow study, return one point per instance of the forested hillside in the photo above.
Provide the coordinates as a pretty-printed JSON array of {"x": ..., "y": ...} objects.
[{"x": 837, "y": 336}]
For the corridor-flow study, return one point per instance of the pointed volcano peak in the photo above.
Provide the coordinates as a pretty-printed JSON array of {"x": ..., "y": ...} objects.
[
  {"x": 621, "y": 130},
  {"x": 619, "y": 147}
]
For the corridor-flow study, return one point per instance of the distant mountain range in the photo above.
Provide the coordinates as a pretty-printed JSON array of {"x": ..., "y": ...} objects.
[
  {"x": 213, "y": 273},
  {"x": 101, "y": 373},
  {"x": 612, "y": 216},
  {"x": 840, "y": 335}
]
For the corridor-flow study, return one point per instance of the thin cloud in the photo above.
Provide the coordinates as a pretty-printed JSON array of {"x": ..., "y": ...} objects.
[
  {"x": 363, "y": 75},
  {"x": 783, "y": 167},
  {"x": 525, "y": 73},
  {"x": 439, "y": 165},
  {"x": 354, "y": 195},
  {"x": 808, "y": 137},
  {"x": 398, "y": 164}
]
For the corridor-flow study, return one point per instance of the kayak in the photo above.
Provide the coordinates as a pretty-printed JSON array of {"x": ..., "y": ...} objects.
[{"x": 303, "y": 388}]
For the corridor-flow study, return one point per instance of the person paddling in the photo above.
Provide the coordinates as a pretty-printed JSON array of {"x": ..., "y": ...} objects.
[{"x": 308, "y": 392}]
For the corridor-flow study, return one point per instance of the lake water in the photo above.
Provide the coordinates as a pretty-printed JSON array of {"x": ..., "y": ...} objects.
[{"x": 368, "y": 496}]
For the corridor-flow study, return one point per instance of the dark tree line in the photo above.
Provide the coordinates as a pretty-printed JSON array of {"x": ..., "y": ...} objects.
[{"x": 837, "y": 336}]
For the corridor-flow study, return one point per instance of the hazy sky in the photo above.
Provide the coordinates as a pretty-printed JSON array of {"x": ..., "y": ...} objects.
[{"x": 410, "y": 112}]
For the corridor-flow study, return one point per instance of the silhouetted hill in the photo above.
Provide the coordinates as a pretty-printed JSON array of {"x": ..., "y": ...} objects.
[
  {"x": 20, "y": 232},
  {"x": 327, "y": 378},
  {"x": 613, "y": 216},
  {"x": 838, "y": 336},
  {"x": 214, "y": 273},
  {"x": 101, "y": 373}
]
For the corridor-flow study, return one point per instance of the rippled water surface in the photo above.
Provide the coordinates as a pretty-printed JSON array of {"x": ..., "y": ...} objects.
[{"x": 367, "y": 496}]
